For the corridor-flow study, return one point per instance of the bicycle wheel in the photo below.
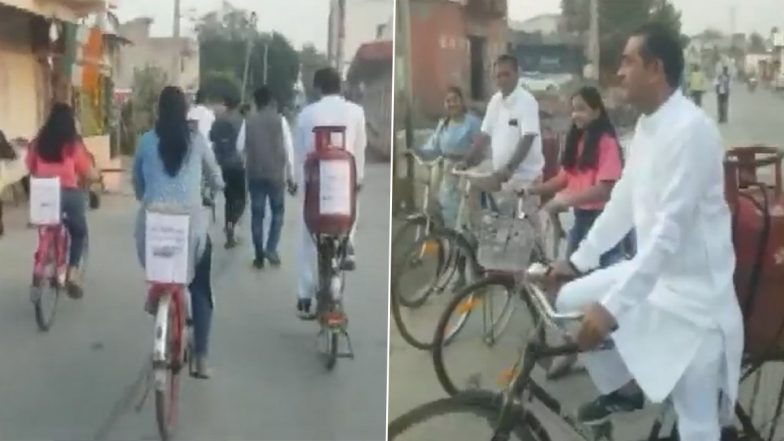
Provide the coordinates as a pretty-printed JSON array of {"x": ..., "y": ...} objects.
[
  {"x": 45, "y": 291},
  {"x": 167, "y": 376},
  {"x": 420, "y": 292},
  {"x": 761, "y": 397},
  {"x": 410, "y": 232},
  {"x": 331, "y": 352},
  {"x": 473, "y": 349},
  {"x": 469, "y": 415}
]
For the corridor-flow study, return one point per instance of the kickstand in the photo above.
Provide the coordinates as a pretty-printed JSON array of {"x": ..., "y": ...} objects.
[{"x": 350, "y": 352}]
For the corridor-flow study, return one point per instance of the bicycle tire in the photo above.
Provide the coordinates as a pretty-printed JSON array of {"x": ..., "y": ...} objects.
[
  {"x": 442, "y": 337},
  {"x": 48, "y": 283},
  {"x": 414, "y": 253},
  {"x": 166, "y": 406},
  {"x": 400, "y": 242},
  {"x": 458, "y": 245},
  {"x": 331, "y": 355},
  {"x": 480, "y": 402}
]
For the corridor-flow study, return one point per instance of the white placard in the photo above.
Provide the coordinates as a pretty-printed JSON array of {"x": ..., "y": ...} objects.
[
  {"x": 336, "y": 140},
  {"x": 166, "y": 247},
  {"x": 335, "y": 187},
  {"x": 45, "y": 201}
]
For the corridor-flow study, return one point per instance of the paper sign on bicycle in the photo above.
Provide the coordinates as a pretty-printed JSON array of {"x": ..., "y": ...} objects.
[
  {"x": 166, "y": 247},
  {"x": 335, "y": 188},
  {"x": 45, "y": 201}
]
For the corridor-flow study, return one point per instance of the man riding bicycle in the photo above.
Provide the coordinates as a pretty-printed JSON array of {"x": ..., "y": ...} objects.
[{"x": 671, "y": 311}]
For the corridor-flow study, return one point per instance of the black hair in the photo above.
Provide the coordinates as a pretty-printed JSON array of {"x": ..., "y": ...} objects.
[
  {"x": 6, "y": 151},
  {"x": 591, "y": 135},
  {"x": 172, "y": 129},
  {"x": 509, "y": 60},
  {"x": 327, "y": 80},
  {"x": 199, "y": 97},
  {"x": 262, "y": 97},
  {"x": 661, "y": 43},
  {"x": 459, "y": 92},
  {"x": 58, "y": 132},
  {"x": 231, "y": 101}
]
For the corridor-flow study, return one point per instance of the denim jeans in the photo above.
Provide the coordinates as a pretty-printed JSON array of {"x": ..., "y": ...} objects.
[
  {"x": 262, "y": 190},
  {"x": 583, "y": 221},
  {"x": 201, "y": 301},
  {"x": 74, "y": 205}
]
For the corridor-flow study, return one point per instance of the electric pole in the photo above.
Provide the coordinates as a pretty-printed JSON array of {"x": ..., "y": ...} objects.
[
  {"x": 177, "y": 18},
  {"x": 341, "y": 35},
  {"x": 178, "y": 57},
  {"x": 404, "y": 179},
  {"x": 251, "y": 36},
  {"x": 593, "y": 40}
]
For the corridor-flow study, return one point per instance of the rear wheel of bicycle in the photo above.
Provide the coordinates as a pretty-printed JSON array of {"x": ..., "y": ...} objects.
[
  {"x": 409, "y": 233},
  {"x": 45, "y": 293},
  {"x": 470, "y": 415},
  {"x": 420, "y": 291},
  {"x": 761, "y": 397},
  {"x": 331, "y": 353},
  {"x": 167, "y": 393},
  {"x": 476, "y": 337}
]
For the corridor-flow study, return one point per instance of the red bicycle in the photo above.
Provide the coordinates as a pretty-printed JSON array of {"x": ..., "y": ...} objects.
[{"x": 50, "y": 271}]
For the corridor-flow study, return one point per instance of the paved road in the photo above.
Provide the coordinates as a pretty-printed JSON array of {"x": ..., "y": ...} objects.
[
  {"x": 753, "y": 119},
  {"x": 77, "y": 382}
]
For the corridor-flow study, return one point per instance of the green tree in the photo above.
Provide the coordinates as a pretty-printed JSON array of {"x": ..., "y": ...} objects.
[
  {"x": 217, "y": 85},
  {"x": 311, "y": 60},
  {"x": 140, "y": 113},
  {"x": 757, "y": 43},
  {"x": 224, "y": 41}
]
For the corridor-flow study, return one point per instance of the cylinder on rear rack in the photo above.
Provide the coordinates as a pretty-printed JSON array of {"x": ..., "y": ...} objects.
[
  {"x": 330, "y": 183},
  {"x": 758, "y": 238}
]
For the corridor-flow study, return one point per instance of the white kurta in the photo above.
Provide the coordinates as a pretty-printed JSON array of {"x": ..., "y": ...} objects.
[
  {"x": 331, "y": 110},
  {"x": 678, "y": 290}
]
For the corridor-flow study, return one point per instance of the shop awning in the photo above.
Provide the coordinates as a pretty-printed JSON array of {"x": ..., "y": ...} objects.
[
  {"x": 371, "y": 59},
  {"x": 65, "y": 10}
]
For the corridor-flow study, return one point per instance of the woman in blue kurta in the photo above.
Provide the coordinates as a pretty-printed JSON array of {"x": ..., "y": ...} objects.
[{"x": 452, "y": 139}]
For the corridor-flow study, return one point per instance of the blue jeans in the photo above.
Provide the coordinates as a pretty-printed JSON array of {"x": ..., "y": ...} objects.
[
  {"x": 583, "y": 221},
  {"x": 262, "y": 190},
  {"x": 201, "y": 301},
  {"x": 74, "y": 205}
]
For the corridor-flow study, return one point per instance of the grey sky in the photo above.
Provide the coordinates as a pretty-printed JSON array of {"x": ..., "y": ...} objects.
[
  {"x": 754, "y": 15},
  {"x": 302, "y": 21}
]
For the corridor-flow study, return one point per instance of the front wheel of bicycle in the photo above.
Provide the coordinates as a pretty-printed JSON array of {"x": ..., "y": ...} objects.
[
  {"x": 45, "y": 292},
  {"x": 470, "y": 415}
]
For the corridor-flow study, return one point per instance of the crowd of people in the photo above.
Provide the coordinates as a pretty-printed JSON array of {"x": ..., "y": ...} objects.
[
  {"x": 649, "y": 256},
  {"x": 238, "y": 151}
]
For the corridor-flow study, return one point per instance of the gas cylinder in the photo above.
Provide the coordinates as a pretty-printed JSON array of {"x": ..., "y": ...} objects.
[
  {"x": 758, "y": 238},
  {"x": 330, "y": 183}
]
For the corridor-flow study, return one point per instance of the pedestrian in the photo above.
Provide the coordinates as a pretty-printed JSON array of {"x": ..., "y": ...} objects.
[
  {"x": 201, "y": 115},
  {"x": 697, "y": 84},
  {"x": 511, "y": 129},
  {"x": 170, "y": 161},
  {"x": 723, "y": 93},
  {"x": 224, "y": 135},
  {"x": 452, "y": 140},
  {"x": 58, "y": 151},
  {"x": 265, "y": 138},
  {"x": 7, "y": 155},
  {"x": 671, "y": 311},
  {"x": 330, "y": 109},
  {"x": 590, "y": 166}
]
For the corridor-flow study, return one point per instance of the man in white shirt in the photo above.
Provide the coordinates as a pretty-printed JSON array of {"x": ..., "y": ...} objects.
[
  {"x": 265, "y": 139},
  {"x": 330, "y": 110},
  {"x": 671, "y": 311},
  {"x": 511, "y": 129},
  {"x": 202, "y": 116}
]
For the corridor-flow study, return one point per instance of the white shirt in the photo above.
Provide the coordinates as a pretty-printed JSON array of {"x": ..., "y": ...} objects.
[
  {"x": 204, "y": 118},
  {"x": 672, "y": 194},
  {"x": 288, "y": 144},
  {"x": 506, "y": 121},
  {"x": 332, "y": 110}
]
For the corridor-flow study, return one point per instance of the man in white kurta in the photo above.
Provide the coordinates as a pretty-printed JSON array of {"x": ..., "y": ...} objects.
[
  {"x": 678, "y": 329},
  {"x": 330, "y": 110}
]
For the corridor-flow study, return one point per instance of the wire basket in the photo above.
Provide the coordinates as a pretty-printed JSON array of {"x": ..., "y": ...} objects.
[{"x": 505, "y": 240}]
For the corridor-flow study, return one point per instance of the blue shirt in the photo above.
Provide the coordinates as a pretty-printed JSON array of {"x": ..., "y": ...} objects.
[
  {"x": 453, "y": 138},
  {"x": 152, "y": 185}
]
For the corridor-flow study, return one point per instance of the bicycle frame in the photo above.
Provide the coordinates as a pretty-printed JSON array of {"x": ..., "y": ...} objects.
[
  {"x": 167, "y": 296},
  {"x": 51, "y": 236},
  {"x": 332, "y": 319}
]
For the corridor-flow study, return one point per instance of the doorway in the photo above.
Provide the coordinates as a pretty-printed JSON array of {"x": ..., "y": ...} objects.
[{"x": 478, "y": 49}]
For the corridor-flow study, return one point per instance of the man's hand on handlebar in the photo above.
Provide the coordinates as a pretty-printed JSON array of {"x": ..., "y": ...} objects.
[{"x": 555, "y": 206}]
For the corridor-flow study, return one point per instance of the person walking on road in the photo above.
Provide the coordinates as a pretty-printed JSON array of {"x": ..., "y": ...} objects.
[
  {"x": 723, "y": 82},
  {"x": 265, "y": 138},
  {"x": 201, "y": 115},
  {"x": 168, "y": 168},
  {"x": 331, "y": 109},
  {"x": 224, "y": 135},
  {"x": 671, "y": 311},
  {"x": 697, "y": 84}
]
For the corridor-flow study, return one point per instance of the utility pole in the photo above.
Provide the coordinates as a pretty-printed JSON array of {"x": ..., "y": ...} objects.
[
  {"x": 593, "y": 40},
  {"x": 251, "y": 36},
  {"x": 266, "y": 59},
  {"x": 403, "y": 193},
  {"x": 177, "y": 18},
  {"x": 341, "y": 35},
  {"x": 178, "y": 57}
]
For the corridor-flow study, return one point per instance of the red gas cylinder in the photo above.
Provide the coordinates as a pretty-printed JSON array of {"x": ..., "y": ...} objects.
[
  {"x": 758, "y": 239},
  {"x": 330, "y": 183}
]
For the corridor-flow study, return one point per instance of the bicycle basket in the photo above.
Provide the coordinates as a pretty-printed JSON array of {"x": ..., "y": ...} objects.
[{"x": 505, "y": 242}]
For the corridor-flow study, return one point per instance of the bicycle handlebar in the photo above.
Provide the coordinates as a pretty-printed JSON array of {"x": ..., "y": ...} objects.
[
  {"x": 472, "y": 174},
  {"x": 538, "y": 271},
  {"x": 422, "y": 161}
]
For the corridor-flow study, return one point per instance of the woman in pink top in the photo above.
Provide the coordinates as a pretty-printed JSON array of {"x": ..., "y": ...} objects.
[
  {"x": 58, "y": 151},
  {"x": 591, "y": 163}
]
